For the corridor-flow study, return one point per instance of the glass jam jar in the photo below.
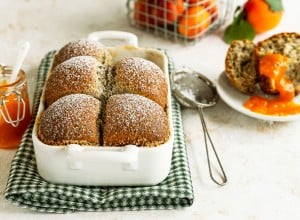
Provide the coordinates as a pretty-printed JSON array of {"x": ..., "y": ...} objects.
[{"x": 14, "y": 108}]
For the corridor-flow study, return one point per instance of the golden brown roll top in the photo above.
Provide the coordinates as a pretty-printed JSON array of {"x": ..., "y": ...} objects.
[
  {"x": 82, "y": 74},
  {"x": 140, "y": 76},
  {"x": 134, "y": 119},
  {"x": 83, "y": 47},
  {"x": 89, "y": 103},
  {"x": 72, "y": 119}
]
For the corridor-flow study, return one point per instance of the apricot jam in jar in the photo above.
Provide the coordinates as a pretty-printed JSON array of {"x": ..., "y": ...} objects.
[{"x": 14, "y": 108}]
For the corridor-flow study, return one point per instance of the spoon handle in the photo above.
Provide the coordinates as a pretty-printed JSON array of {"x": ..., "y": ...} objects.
[
  {"x": 207, "y": 136},
  {"x": 23, "y": 49}
]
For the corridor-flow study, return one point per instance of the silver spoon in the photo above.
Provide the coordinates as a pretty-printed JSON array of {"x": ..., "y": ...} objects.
[
  {"x": 23, "y": 50},
  {"x": 194, "y": 90}
]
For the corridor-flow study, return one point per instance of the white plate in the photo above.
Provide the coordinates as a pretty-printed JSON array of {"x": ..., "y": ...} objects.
[{"x": 236, "y": 99}]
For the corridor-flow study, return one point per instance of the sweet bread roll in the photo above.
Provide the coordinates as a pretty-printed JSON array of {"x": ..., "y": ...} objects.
[
  {"x": 134, "y": 119},
  {"x": 288, "y": 45},
  {"x": 72, "y": 119},
  {"x": 82, "y": 74},
  {"x": 240, "y": 66},
  {"x": 139, "y": 76},
  {"x": 83, "y": 47}
]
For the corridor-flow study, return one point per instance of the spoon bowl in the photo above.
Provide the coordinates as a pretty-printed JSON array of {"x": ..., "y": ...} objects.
[{"x": 193, "y": 89}]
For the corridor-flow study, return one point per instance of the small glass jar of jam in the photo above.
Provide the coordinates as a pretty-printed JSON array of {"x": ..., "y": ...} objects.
[{"x": 14, "y": 108}]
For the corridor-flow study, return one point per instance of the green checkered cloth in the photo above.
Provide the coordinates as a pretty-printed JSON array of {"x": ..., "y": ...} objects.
[{"x": 27, "y": 189}]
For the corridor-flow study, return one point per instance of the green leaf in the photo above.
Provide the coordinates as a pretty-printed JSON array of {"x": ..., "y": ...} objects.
[
  {"x": 275, "y": 5},
  {"x": 238, "y": 15},
  {"x": 239, "y": 29}
]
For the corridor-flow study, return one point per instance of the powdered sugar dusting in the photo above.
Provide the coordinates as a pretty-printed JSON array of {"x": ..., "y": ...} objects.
[
  {"x": 134, "y": 119},
  {"x": 132, "y": 109},
  {"x": 140, "y": 76},
  {"x": 71, "y": 119},
  {"x": 76, "y": 75},
  {"x": 83, "y": 47}
]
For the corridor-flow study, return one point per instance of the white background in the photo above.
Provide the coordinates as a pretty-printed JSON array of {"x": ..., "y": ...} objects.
[{"x": 261, "y": 159}]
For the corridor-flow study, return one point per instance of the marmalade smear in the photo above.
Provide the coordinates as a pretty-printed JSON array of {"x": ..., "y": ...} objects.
[{"x": 274, "y": 67}]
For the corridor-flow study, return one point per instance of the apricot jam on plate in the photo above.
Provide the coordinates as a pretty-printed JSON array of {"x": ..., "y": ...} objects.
[{"x": 273, "y": 66}]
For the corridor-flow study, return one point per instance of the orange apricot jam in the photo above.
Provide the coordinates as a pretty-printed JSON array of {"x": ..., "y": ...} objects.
[
  {"x": 274, "y": 66},
  {"x": 14, "y": 111}
]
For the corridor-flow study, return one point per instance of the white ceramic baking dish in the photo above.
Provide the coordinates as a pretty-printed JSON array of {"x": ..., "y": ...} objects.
[{"x": 113, "y": 166}]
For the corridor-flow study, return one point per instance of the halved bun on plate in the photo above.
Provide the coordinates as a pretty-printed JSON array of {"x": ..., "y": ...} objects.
[
  {"x": 288, "y": 45},
  {"x": 240, "y": 66},
  {"x": 242, "y": 61}
]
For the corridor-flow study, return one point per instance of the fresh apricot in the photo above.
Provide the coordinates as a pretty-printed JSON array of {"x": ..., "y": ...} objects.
[
  {"x": 141, "y": 13},
  {"x": 260, "y": 15},
  {"x": 193, "y": 2},
  {"x": 157, "y": 12},
  {"x": 167, "y": 11},
  {"x": 194, "y": 21},
  {"x": 209, "y": 5}
]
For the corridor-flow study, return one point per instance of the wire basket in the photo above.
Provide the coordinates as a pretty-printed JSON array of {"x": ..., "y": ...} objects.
[{"x": 179, "y": 20}]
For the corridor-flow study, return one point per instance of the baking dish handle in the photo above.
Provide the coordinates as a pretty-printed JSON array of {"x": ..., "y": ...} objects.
[
  {"x": 129, "y": 38},
  {"x": 77, "y": 155}
]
